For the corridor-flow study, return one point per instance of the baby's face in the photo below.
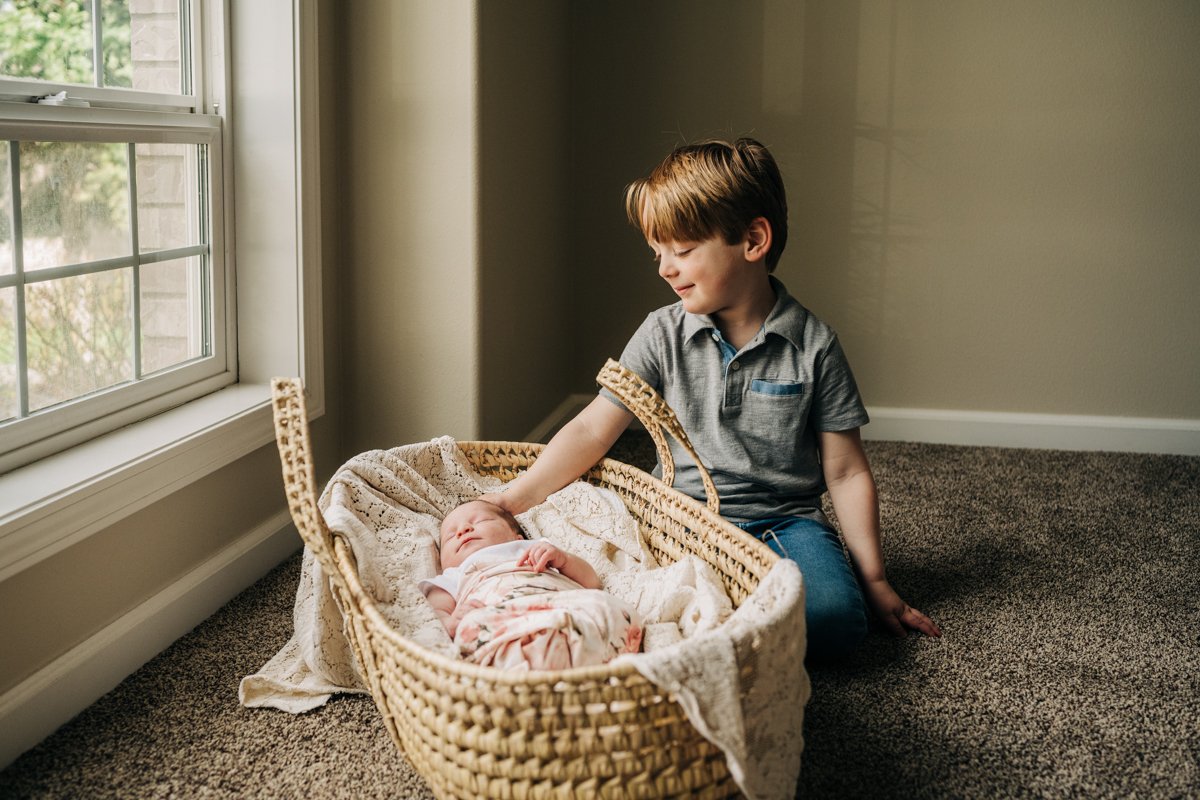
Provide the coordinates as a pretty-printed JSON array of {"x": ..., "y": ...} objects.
[{"x": 470, "y": 527}]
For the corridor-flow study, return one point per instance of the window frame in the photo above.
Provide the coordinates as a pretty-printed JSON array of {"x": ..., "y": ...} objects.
[
  {"x": 59, "y": 500},
  {"x": 133, "y": 115},
  {"x": 46, "y": 432}
]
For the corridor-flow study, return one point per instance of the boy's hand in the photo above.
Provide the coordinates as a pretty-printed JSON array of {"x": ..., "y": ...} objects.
[
  {"x": 508, "y": 500},
  {"x": 496, "y": 499},
  {"x": 542, "y": 556},
  {"x": 897, "y": 615}
]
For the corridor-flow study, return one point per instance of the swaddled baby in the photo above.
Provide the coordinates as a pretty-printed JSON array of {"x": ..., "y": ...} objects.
[{"x": 513, "y": 603}]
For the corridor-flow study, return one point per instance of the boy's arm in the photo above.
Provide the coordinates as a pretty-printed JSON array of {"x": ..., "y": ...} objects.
[
  {"x": 852, "y": 490},
  {"x": 574, "y": 449},
  {"x": 443, "y": 605}
]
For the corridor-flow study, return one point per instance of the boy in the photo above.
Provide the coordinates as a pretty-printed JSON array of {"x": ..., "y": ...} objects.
[{"x": 760, "y": 385}]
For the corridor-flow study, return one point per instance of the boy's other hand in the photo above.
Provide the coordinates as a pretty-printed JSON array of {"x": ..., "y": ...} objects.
[{"x": 897, "y": 615}]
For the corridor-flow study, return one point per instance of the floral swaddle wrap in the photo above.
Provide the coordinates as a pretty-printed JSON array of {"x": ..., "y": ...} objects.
[{"x": 514, "y": 618}]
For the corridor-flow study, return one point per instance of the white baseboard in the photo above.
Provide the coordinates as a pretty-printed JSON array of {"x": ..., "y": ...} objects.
[
  {"x": 990, "y": 429},
  {"x": 36, "y": 707},
  {"x": 1036, "y": 431}
]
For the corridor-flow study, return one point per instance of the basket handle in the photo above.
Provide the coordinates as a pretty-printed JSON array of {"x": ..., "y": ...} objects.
[
  {"x": 295, "y": 454},
  {"x": 657, "y": 417}
]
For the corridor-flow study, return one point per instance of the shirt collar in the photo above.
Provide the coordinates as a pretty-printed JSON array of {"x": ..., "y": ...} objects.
[{"x": 787, "y": 319}]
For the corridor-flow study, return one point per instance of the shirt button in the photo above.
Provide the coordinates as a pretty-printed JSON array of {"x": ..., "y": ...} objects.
[
  {"x": 716, "y": 337},
  {"x": 735, "y": 366}
]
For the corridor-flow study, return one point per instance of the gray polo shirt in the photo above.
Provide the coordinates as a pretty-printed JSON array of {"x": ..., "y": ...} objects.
[{"x": 753, "y": 414}]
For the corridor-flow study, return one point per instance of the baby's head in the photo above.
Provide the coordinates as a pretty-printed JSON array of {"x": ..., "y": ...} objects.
[
  {"x": 712, "y": 188},
  {"x": 473, "y": 526}
]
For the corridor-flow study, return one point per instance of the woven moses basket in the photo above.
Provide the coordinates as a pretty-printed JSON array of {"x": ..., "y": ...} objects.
[{"x": 481, "y": 732}]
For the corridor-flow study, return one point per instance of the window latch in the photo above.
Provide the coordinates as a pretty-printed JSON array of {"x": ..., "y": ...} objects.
[{"x": 61, "y": 99}]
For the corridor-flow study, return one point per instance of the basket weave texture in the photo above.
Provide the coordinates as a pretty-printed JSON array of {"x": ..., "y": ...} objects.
[{"x": 480, "y": 732}]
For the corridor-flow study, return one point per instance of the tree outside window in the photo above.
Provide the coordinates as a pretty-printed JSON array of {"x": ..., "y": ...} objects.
[{"x": 76, "y": 203}]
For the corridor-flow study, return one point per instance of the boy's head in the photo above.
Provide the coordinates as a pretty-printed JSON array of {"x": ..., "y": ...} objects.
[
  {"x": 473, "y": 526},
  {"x": 708, "y": 189}
]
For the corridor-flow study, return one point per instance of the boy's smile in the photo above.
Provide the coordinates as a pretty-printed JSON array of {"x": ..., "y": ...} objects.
[
  {"x": 703, "y": 274},
  {"x": 716, "y": 279}
]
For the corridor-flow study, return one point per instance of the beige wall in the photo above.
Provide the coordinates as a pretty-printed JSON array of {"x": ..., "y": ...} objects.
[
  {"x": 995, "y": 204},
  {"x": 455, "y": 189},
  {"x": 62, "y": 600},
  {"x": 408, "y": 271},
  {"x": 524, "y": 211}
]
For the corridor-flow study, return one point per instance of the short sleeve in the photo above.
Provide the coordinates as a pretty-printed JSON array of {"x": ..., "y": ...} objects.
[
  {"x": 641, "y": 356},
  {"x": 837, "y": 404},
  {"x": 447, "y": 581}
]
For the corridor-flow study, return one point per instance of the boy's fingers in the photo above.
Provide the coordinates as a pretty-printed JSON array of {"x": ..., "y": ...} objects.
[
  {"x": 923, "y": 623},
  {"x": 893, "y": 624}
]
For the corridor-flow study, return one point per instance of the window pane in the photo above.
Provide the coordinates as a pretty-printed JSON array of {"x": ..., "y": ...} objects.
[
  {"x": 78, "y": 336},
  {"x": 53, "y": 40},
  {"x": 114, "y": 43},
  {"x": 49, "y": 40},
  {"x": 152, "y": 44},
  {"x": 172, "y": 323},
  {"x": 168, "y": 196},
  {"x": 6, "y": 218},
  {"x": 8, "y": 354},
  {"x": 74, "y": 202}
]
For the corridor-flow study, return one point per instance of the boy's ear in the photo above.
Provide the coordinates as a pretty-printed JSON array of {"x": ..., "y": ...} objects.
[{"x": 758, "y": 239}]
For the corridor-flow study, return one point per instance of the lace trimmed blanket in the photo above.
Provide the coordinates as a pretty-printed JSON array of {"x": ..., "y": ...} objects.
[{"x": 388, "y": 504}]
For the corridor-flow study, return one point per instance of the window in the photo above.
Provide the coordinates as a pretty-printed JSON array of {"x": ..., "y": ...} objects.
[
  {"x": 269, "y": 106},
  {"x": 113, "y": 277}
]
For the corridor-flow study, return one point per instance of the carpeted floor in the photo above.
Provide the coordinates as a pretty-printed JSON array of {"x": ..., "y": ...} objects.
[{"x": 1067, "y": 586}]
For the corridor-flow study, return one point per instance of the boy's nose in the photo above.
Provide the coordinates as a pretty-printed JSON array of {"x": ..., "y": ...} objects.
[{"x": 666, "y": 267}]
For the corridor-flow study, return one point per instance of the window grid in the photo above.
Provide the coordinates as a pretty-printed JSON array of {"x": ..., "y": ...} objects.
[
  {"x": 171, "y": 341},
  {"x": 14, "y": 177},
  {"x": 97, "y": 43},
  {"x": 20, "y": 279}
]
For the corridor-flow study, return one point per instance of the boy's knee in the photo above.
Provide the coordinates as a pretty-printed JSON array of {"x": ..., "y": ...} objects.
[{"x": 836, "y": 626}]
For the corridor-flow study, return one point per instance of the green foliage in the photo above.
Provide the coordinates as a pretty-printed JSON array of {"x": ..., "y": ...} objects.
[
  {"x": 115, "y": 33},
  {"x": 51, "y": 40},
  {"x": 71, "y": 190},
  {"x": 78, "y": 335},
  {"x": 78, "y": 330}
]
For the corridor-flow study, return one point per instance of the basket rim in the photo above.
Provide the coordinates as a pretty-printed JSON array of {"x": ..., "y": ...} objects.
[{"x": 601, "y": 673}]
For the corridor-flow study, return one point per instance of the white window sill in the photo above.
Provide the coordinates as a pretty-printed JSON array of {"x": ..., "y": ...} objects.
[{"x": 57, "y": 501}]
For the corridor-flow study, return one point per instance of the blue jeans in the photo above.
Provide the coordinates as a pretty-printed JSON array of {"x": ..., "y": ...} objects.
[{"x": 834, "y": 609}]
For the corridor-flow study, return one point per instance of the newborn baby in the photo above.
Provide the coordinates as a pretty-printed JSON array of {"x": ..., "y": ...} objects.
[{"x": 513, "y": 603}]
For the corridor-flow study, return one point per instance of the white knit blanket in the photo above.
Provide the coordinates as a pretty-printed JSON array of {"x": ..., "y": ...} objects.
[{"x": 389, "y": 504}]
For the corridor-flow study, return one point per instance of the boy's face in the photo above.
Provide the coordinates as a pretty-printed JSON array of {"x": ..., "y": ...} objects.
[
  {"x": 709, "y": 276},
  {"x": 471, "y": 527}
]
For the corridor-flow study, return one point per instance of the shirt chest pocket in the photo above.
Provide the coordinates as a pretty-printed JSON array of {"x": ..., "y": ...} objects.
[
  {"x": 773, "y": 418},
  {"x": 771, "y": 387}
]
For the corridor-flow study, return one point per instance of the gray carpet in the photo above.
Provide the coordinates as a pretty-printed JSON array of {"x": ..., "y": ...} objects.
[{"x": 1067, "y": 586}]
